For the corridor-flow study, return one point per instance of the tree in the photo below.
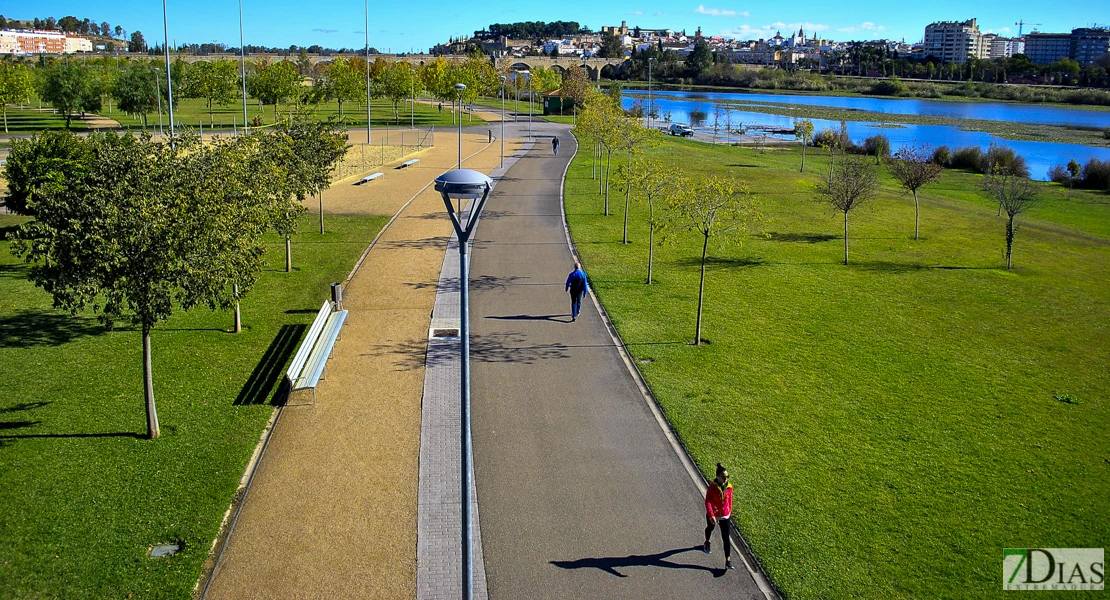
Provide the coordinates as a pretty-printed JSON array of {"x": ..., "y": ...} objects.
[
  {"x": 849, "y": 184},
  {"x": 136, "y": 92},
  {"x": 343, "y": 83},
  {"x": 657, "y": 181},
  {"x": 119, "y": 31},
  {"x": 69, "y": 24},
  {"x": 71, "y": 90},
  {"x": 396, "y": 83},
  {"x": 700, "y": 58},
  {"x": 1015, "y": 196},
  {"x": 803, "y": 130},
  {"x": 575, "y": 85},
  {"x": 215, "y": 82},
  {"x": 717, "y": 208},
  {"x": 105, "y": 29},
  {"x": 147, "y": 226},
  {"x": 913, "y": 168},
  {"x": 611, "y": 46},
  {"x": 40, "y": 165},
  {"x": 631, "y": 135},
  {"x": 137, "y": 44},
  {"x": 272, "y": 83},
  {"x": 16, "y": 85}
]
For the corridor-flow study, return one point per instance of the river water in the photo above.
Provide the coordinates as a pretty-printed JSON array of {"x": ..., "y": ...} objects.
[{"x": 697, "y": 109}]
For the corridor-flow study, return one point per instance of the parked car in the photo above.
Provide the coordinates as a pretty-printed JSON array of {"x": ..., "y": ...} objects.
[{"x": 683, "y": 130}]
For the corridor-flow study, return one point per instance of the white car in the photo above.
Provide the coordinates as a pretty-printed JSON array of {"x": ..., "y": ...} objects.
[{"x": 682, "y": 130}]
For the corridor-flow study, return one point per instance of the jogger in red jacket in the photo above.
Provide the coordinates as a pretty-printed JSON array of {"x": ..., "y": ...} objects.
[{"x": 718, "y": 509}]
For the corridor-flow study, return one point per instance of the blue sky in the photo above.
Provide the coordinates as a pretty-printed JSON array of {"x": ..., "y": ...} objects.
[{"x": 417, "y": 25}]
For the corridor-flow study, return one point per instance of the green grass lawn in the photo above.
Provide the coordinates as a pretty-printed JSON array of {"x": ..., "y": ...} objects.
[
  {"x": 890, "y": 425},
  {"x": 30, "y": 120},
  {"x": 83, "y": 496}
]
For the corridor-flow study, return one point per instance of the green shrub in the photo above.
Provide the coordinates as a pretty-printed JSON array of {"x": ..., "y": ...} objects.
[
  {"x": 890, "y": 87},
  {"x": 1004, "y": 160},
  {"x": 968, "y": 157},
  {"x": 877, "y": 145},
  {"x": 942, "y": 156},
  {"x": 1096, "y": 175}
]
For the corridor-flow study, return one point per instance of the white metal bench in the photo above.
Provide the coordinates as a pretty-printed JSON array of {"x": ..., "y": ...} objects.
[
  {"x": 370, "y": 177},
  {"x": 409, "y": 163},
  {"x": 307, "y": 368}
]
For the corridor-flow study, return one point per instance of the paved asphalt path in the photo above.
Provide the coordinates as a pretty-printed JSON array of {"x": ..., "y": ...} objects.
[{"x": 580, "y": 493}]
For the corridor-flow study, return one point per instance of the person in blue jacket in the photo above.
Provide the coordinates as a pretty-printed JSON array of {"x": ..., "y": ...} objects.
[{"x": 577, "y": 286}]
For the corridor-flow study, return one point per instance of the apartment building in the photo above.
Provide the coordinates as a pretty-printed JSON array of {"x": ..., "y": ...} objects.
[
  {"x": 1047, "y": 48},
  {"x": 954, "y": 41},
  {"x": 1089, "y": 44},
  {"x": 1000, "y": 47},
  {"x": 23, "y": 41}
]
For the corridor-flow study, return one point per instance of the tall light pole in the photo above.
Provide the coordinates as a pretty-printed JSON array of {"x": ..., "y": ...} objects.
[
  {"x": 459, "y": 88},
  {"x": 528, "y": 78},
  {"x": 502, "y": 78},
  {"x": 367, "y": 6},
  {"x": 651, "y": 113},
  {"x": 412, "y": 103},
  {"x": 169, "y": 78},
  {"x": 243, "y": 65},
  {"x": 460, "y": 184}
]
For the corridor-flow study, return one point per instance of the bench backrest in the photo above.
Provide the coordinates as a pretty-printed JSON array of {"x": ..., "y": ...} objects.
[
  {"x": 309, "y": 341},
  {"x": 314, "y": 368}
]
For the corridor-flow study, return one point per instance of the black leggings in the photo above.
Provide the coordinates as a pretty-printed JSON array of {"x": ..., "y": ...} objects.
[{"x": 710, "y": 523}]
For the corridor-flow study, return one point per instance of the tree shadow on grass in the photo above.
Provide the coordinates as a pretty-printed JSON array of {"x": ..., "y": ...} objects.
[
  {"x": 808, "y": 238},
  {"x": 492, "y": 348},
  {"x": 610, "y": 564},
  {"x": 269, "y": 369},
  {"x": 15, "y": 271},
  {"x": 23, "y": 406},
  {"x": 28, "y": 328},
  {"x": 712, "y": 263}
]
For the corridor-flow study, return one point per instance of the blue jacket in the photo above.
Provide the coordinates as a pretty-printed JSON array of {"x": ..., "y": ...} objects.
[{"x": 576, "y": 282}]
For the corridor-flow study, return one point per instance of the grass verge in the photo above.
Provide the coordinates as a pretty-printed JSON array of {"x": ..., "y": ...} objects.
[
  {"x": 83, "y": 495},
  {"x": 893, "y": 424}
]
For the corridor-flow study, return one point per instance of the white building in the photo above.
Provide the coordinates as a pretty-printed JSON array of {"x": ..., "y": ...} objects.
[
  {"x": 77, "y": 44},
  {"x": 954, "y": 41}
]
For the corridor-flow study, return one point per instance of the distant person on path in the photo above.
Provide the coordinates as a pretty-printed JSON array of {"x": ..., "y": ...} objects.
[
  {"x": 440, "y": 107},
  {"x": 718, "y": 509},
  {"x": 577, "y": 286},
  {"x": 555, "y": 145}
]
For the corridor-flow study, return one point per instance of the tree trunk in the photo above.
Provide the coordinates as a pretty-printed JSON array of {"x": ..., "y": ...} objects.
[
  {"x": 5, "y": 118},
  {"x": 651, "y": 239},
  {"x": 627, "y": 193},
  {"x": 340, "y": 110},
  {"x": 802, "y": 170},
  {"x": 1009, "y": 243},
  {"x": 608, "y": 166},
  {"x": 701, "y": 289},
  {"x": 845, "y": 237},
  {"x": 238, "y": 316},
  {"x": 288, "y": 255},
  {"x": 320, "y": 197},
  {"x": 916, "y": 216},
  {"x": 148, "y": 387}
]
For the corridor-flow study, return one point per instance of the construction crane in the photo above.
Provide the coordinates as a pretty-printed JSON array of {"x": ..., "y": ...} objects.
[{"x": 1022, "y": 24}]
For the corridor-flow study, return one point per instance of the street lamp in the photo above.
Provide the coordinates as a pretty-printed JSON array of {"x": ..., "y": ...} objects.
[
  {"x": 502, "y": 78},
  {"x": 169, "y": 79},
  {"x": 464, "y": 184},
  {"x": 651, "y": 113},
  {"x": 412, "y": 103},
  {"x": 243, "y": 65},
  {"x": 528, "y": 79},
  {"x": 367, "y": 7},
  {"x": 459, "y": 88}
]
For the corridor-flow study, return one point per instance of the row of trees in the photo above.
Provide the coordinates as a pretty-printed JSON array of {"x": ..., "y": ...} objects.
[
  {"x": 68, "y": 24},
  {"x": 140, "y": 87},
  {"x": 135, "y": 228}
]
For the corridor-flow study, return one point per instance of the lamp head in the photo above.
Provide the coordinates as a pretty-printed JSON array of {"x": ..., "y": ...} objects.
[
  {"x": 502, "y": 78},
  {"x": 462, "y": 183},
  {"x": 459, "y": 87}
]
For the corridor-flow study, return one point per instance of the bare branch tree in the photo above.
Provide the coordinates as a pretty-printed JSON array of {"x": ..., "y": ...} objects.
[
  {"x": 850, "y": 183},
  {"x": 913, "y": 167},
  {"x": 1014, "y": 195}
]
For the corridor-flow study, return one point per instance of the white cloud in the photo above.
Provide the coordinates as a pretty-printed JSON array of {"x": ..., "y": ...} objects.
[
  {"x": 747, "y": 32},
  {"x": 635, "y": 13},
  {"x": 657, "y": 13},
  {"x": 716, "y": 12},
  {"x": 325, "y": 30},
  {"x": 866, "y": 26}
]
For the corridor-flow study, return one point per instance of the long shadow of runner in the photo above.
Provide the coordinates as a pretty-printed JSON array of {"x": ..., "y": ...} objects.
[{"x": 610, "y": 564}]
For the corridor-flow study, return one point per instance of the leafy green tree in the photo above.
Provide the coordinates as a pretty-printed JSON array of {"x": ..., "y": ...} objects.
[
  {"x": 656, "y": 181},
  {"x": 272, "y": 83},
  {"x": 575, "y": 85},
  {"x": 631, "y": 136},
  {"x": 611, "y": 46},
  {"x": 137, "y": 92},
  {"x": 803, "y": 130},
  {"x": 40, "y": 165},
  {"x": 849, "y": 184},
  {"x": 913, "y": 168},
  {"x": 16, "y": 85},
  {"x": 718, "y": 209},
  {"x": 137, "y": 43},
  {"x": 145, "y": 227},
  {"x": 215, "y": 82},
  {"x": 343, "y": 83},
  {"x": 700, "y": 58},
  {"x": 70, "y": 90},
  {"x": 396, "y": 83}
]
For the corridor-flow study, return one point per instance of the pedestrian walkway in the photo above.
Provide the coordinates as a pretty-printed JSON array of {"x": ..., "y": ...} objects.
[
  {"x": 331, "y": 511},
  {"x": 580, "y": 490}
]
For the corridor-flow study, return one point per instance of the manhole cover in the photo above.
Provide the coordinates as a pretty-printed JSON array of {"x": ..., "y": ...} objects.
[{"x": 164, "y": 550}]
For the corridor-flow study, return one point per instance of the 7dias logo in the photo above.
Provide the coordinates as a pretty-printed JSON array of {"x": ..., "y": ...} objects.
[{"x": 1052, "y": 569}]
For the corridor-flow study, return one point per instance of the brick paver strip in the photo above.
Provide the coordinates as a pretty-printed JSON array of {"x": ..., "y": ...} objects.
[{"x": 331, "y": 512}]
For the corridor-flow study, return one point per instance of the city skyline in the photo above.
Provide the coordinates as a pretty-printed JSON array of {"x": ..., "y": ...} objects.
[{"x": 395, "y": 28}]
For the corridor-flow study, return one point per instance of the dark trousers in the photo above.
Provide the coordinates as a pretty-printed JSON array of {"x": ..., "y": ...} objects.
[
  {"x": 575, "y": 303},
  {"x": 710, "y": 522}
]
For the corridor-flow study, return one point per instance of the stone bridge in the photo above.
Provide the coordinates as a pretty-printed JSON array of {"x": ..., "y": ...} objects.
[{"x": 595, "y": 67}]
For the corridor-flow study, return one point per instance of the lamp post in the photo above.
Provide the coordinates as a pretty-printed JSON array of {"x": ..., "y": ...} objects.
[
  {"x": 528, "y": 79},
  {"x": 243, "y": 65},
  {"x": 169, "y": 78},
  {"x": 651, "y": 112},
  {"x": 502, "y": 78},
  {"x": 459, "y": 88},
  {"x": 412, "y": 103},
  {"x": 367, "y": 7},
  {"x": 462, "y": 184}
]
